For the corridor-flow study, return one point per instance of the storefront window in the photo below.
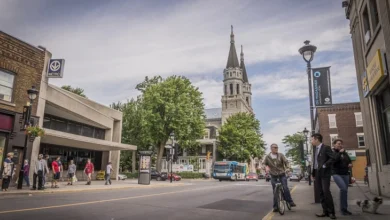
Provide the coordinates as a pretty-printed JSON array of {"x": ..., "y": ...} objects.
[
  {"x": 79, "y": 156},
  {"x": 384, "y": 107}
]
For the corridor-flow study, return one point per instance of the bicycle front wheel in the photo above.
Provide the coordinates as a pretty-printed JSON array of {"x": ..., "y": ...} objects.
[{"x": 279, "y": 200}]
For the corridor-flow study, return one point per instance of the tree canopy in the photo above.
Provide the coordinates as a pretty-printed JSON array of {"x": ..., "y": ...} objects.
[
  {"x": 295, "y": 148},
  {"x": 240, "y": 138},
  {"x": 171, "y": 105},
  {"x": 78, "y": 91}
]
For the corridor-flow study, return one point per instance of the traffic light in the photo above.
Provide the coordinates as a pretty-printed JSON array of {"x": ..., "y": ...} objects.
[
  {"x": 176, "y": 153},
  {"x": 208, "y": 155}
]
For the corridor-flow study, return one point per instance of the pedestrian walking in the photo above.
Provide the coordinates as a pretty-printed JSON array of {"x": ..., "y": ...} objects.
[
  {"x": 108, "y": 173},
  {"x": 71, "y": 172},
  {"x": 56, "y": 173},
  {"x": 89, "y": 169},
  {"x": 323, "y": 161},
  {"x": 340, "y": 174},
  {"x": 7, "y": 171},
  {"x": 39, "y": 170},
  {"x": 26, "y": 171},
  {"x": 278, "y": 165},
  {"x": 46, "y": 170}
]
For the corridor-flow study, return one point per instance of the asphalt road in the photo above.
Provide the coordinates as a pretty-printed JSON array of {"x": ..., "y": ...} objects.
[{"x": 194, "y": 200}]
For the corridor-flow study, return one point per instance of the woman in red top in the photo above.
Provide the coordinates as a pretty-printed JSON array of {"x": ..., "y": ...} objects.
[
  {"x": 56, "y": 172},
  {"x": 89, "y": 169}
]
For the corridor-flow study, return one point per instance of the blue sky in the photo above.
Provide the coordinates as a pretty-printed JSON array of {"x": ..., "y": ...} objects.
[{"x": 110, "y": 46}]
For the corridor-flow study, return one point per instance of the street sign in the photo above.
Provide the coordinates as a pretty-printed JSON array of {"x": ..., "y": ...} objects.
[{"x": 56, "y": 68}]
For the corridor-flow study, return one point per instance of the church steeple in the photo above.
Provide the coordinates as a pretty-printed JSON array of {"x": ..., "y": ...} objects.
[
  {"x": 232, "y": 58},
  {"x": 242, "y": 65}
]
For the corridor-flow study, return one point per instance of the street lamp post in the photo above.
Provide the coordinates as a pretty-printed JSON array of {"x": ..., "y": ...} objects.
[
  {"x": 307, "y": 52},
  {"x": 172, "y": 151},
  {"x": 32, "y": 95},
  {"x": 306, "y": 133}
]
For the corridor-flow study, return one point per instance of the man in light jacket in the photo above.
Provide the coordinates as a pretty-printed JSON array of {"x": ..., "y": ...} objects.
[{"x": 40, "y": 168}]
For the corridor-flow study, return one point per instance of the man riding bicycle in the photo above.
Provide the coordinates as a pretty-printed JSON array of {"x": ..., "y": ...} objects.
[{"x": 278, "y": 165}]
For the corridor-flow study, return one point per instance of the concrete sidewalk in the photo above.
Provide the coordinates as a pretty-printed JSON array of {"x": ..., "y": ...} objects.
[
  {"x": 303, "y": 196},
  {"x": 80, "y": 186}
]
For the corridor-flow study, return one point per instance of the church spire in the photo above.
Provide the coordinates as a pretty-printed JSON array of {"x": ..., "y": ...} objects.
[
  {"x": 232, "y": 58},
  {"x": 242, "y": 66}
]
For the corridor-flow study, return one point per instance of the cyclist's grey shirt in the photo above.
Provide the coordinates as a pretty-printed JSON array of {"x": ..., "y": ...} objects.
[{"x": 278, "y": 165}]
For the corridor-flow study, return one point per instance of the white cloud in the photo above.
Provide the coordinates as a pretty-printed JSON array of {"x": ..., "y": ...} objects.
[
  {"x": 273, "y": 121},
  {"x": 108, "y": 45},
  {"x": 286, "y": 125}
]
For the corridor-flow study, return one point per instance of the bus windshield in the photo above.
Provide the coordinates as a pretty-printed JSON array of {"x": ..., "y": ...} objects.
[{"x": 221, "y": 168}]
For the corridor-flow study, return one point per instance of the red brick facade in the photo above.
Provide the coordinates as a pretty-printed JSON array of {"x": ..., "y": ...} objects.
[
  {"x": 26, "y": 62},
  {"x": 345, "y": 123}
]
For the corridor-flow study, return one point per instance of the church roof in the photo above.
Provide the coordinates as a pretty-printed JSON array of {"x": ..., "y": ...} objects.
[
  {"x": 242, "y": 65},
  {"x": 213, "y": 113},
  {"x": 232, "y": 58}
]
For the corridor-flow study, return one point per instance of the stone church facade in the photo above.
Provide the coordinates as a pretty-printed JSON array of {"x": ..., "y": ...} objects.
[{"x": 237, "y": 97}]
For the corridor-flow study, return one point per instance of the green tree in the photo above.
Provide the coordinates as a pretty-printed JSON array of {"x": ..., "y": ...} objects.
[
  {"x": 240, "y": 138},
  {"x": 170, "y": 105},
  {"x": 132, "y": 130},
  {"x": 295, "y": 148},
  {"x": 78, "y": 91}
]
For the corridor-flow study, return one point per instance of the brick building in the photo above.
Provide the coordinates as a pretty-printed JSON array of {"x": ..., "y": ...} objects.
[
  {"x": 344, "y": 121},
  {"x": 21, "y": 67},
  {"x": 370, "y": 34}
]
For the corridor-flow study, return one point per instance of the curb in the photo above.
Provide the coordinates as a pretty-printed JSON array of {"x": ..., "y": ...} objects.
[{"x": 37, "y": 192}]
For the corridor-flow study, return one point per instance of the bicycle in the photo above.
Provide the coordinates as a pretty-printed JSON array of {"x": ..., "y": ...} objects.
[{"x": 280, "y": 197}]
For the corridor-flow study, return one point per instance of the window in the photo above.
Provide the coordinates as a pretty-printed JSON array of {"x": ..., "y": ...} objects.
[
  {"x": 366, "y": 26},
  {"x": 359, "y": 119},
  {"x": 332, "y": 138},
  {"x": 206, "y": 134},
  {"x": 100, "y": 133},
  {"x": 203, "y": 149},
  {"x": 332, "y": 121},
  {"x": 202, "y": 164},
  {"x": 226, "y": 90},
  {"x": 231, "y": 89},
  {"x": 374, "y": 14},
  {"x": 230, "y": 74},
  {"x": 238, "y": 88},
  {"x": 6, "y": 85},
  {"x": 46, "y": 122},
  {"x": 360, "y": 137},
  {"x": 74, "y": 128},
  {"x": 384, "y": 120},
  {"x": 87, "y": 131},
  {"x": 58, "y": 125},
  {"x": 247, "y": 100}
]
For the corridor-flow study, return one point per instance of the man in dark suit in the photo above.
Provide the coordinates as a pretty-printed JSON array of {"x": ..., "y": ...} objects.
[{"x": 322, "y": 171}]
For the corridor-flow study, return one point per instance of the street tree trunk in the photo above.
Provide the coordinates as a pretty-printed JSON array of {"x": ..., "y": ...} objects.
[
  {"x": 161, "y": 148},
  {"x": 133, "y": 161}
]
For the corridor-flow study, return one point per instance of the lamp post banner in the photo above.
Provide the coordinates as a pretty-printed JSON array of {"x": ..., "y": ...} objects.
[{"x": 321, "y": 87}]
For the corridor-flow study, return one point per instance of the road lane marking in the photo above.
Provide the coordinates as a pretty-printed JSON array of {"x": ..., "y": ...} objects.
[
  {"x": 271, "y": 214},
  {"x": 108, "y": 200}
]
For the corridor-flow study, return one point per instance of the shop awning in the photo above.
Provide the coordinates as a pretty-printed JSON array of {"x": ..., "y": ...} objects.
[{"x": 77, "y": 141}]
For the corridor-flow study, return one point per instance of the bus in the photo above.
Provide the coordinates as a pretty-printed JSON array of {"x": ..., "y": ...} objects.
[{"x": 229, "y": 170}]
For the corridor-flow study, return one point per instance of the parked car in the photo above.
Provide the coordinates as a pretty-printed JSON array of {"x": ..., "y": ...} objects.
[
  {"x": 267, "y": 177},
  {"x": 261, "y": 176},
  {"x": 175, "y": 177},
  {"x": 295, "y": 177},
  {"x": 154, "y": 174},
  {"x": 252, "y": 176},
  {"x": 122, "y": 177}
]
